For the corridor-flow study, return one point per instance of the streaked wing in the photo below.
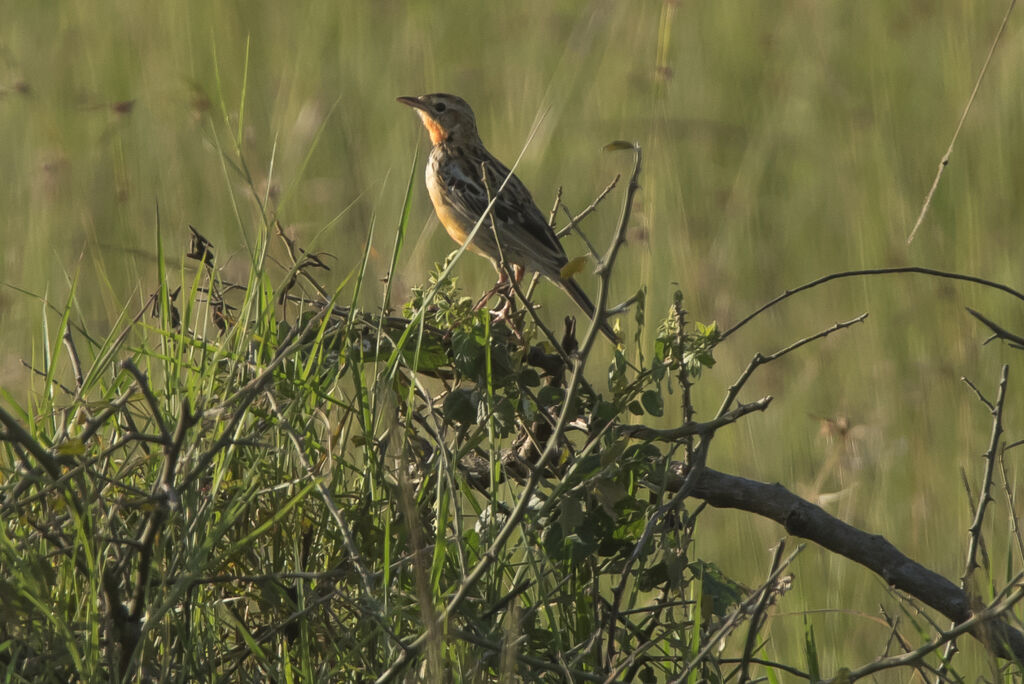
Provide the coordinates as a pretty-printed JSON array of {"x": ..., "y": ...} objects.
[
  {"x": 515, "y": 205},
  {"x": 527, "y": 239}
]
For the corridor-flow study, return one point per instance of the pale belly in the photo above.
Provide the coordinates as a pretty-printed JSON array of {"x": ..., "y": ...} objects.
[{"x": 455, "y": 224}]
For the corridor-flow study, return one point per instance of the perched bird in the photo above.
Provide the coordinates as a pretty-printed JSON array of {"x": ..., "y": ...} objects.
[{"x": 462, "y": 178}]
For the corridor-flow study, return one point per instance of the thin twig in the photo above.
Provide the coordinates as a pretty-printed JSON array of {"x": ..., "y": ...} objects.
[
  {"x": 997, "y": 331},
  {"x": 711, "y": 642},
  {"x": 976, "y": 624},
  {"x": 553, "y": 214},
  {"x": 76, "y": 362},
  {"x": 960, "y": 124},
  {"x": 1011, "y": 504},
  {"x": 984, "y": 495},
  {"x": 762, "y": 359},
  {"x": 894, "y": 634},
  {"x": 573, "y": 220},
  {"x": 692, "y": 429},
  {"x": 870, "y": 272},
  {"x": 977, "y": 392},
  {"x": 17, "y": 434},
  {"x": 757, "y": 616},
  {"x": 154, "y": 405}
]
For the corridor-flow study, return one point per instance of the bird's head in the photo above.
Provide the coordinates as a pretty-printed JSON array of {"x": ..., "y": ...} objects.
[{"x": 447, "y": 117}]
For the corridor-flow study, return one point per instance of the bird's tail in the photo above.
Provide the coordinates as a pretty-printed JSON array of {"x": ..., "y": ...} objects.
[{"x": 581, "y": 298}]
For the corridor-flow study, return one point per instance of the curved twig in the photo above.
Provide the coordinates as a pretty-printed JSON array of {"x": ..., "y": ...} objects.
[{"x": 869, "y": 272}]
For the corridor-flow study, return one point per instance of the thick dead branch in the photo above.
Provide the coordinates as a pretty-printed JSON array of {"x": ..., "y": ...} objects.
[{"x": 803, "y": 519}]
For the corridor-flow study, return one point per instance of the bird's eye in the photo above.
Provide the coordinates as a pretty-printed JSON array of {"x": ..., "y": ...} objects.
[{"x": 439, "y": 107}]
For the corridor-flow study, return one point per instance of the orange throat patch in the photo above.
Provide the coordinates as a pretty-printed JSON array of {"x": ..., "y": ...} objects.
[{"x": 437, "y": 133}]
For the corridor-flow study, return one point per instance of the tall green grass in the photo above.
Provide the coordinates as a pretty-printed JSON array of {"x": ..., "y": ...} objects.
[{"x": 782, "y": 141}]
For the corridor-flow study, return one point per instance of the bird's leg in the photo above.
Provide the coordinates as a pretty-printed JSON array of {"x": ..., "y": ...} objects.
[
  {"x": 504, "y": 290},
  {"x": 504, "y": 313},
  {"x": 498, "y": 287}
]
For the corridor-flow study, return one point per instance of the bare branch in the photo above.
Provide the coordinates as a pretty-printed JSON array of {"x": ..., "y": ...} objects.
[
  {"x": 694, "y": 428},
  {"x": 871, "y": 272},
  {"x": 977, "y": 393},
  {"x": 997, "y": 331},
  {"x": 804, "y": 519},
  {"x": 984, "y": 495},
  {"x": 573, "y": 220},
  {"x": 761, "y": 359}
]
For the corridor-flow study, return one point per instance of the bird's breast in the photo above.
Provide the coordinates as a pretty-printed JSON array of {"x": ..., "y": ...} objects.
[{"x": 455, "y": 223}]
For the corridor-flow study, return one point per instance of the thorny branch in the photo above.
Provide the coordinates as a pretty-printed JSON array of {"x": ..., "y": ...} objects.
[{"x": 984, "y": 495}]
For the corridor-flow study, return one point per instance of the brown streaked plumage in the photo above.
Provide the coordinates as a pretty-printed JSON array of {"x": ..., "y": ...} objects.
[{"x": 457, "y": 170}]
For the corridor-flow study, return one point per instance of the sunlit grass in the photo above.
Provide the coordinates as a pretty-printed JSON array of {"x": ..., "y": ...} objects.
[{"x": 782, "y": 142}]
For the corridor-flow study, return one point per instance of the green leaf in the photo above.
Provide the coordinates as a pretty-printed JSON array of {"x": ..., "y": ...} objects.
[
  {"x": 617, "y": 381},
  {"x": 460, "y": 406},
  {"x": 613, "y": 452},
  {"x": 652, "y": 577},
  {"x": 528, "y": 377},
  {"x": 722, "y": 590},
  {"x": 554, "y": 543},
  {"x": 468, "y": 355},
  {"x": 504, "y": 415},
  {"x": 608, "y": 493},
  {"x": 653, "y": 402},
  {"x": 570, "y": 515},
  {"x": 602, "y": 412},
  {"x": 811, "y": 651},
  {"x": 550, "y": 396},
  {"x": 581, "y": 545}
]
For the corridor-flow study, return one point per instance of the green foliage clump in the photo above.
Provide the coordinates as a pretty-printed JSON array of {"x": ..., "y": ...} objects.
[{"x": 305, "y": 488}]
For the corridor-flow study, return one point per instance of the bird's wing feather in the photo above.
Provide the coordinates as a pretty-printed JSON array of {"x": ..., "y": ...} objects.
[
  {"x": 515, "y": 200},
  {"x": 532, "y": 239}
]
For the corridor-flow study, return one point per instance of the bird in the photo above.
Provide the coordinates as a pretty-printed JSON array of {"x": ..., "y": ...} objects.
[{"x": 463, "y": 177}]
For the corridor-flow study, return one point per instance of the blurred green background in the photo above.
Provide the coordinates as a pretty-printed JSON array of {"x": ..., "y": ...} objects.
[{"x": 782, "y": 140}]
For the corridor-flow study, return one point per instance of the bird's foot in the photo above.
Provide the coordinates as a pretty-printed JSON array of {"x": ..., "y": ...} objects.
[
  {"x": 504, "y": 312},
  {"x": 501, "y": 287}
]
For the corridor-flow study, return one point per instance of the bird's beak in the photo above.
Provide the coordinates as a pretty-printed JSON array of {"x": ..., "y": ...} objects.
[
  {"x": 413, "y": 102},
  {"x": 426, "y": 114}
]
